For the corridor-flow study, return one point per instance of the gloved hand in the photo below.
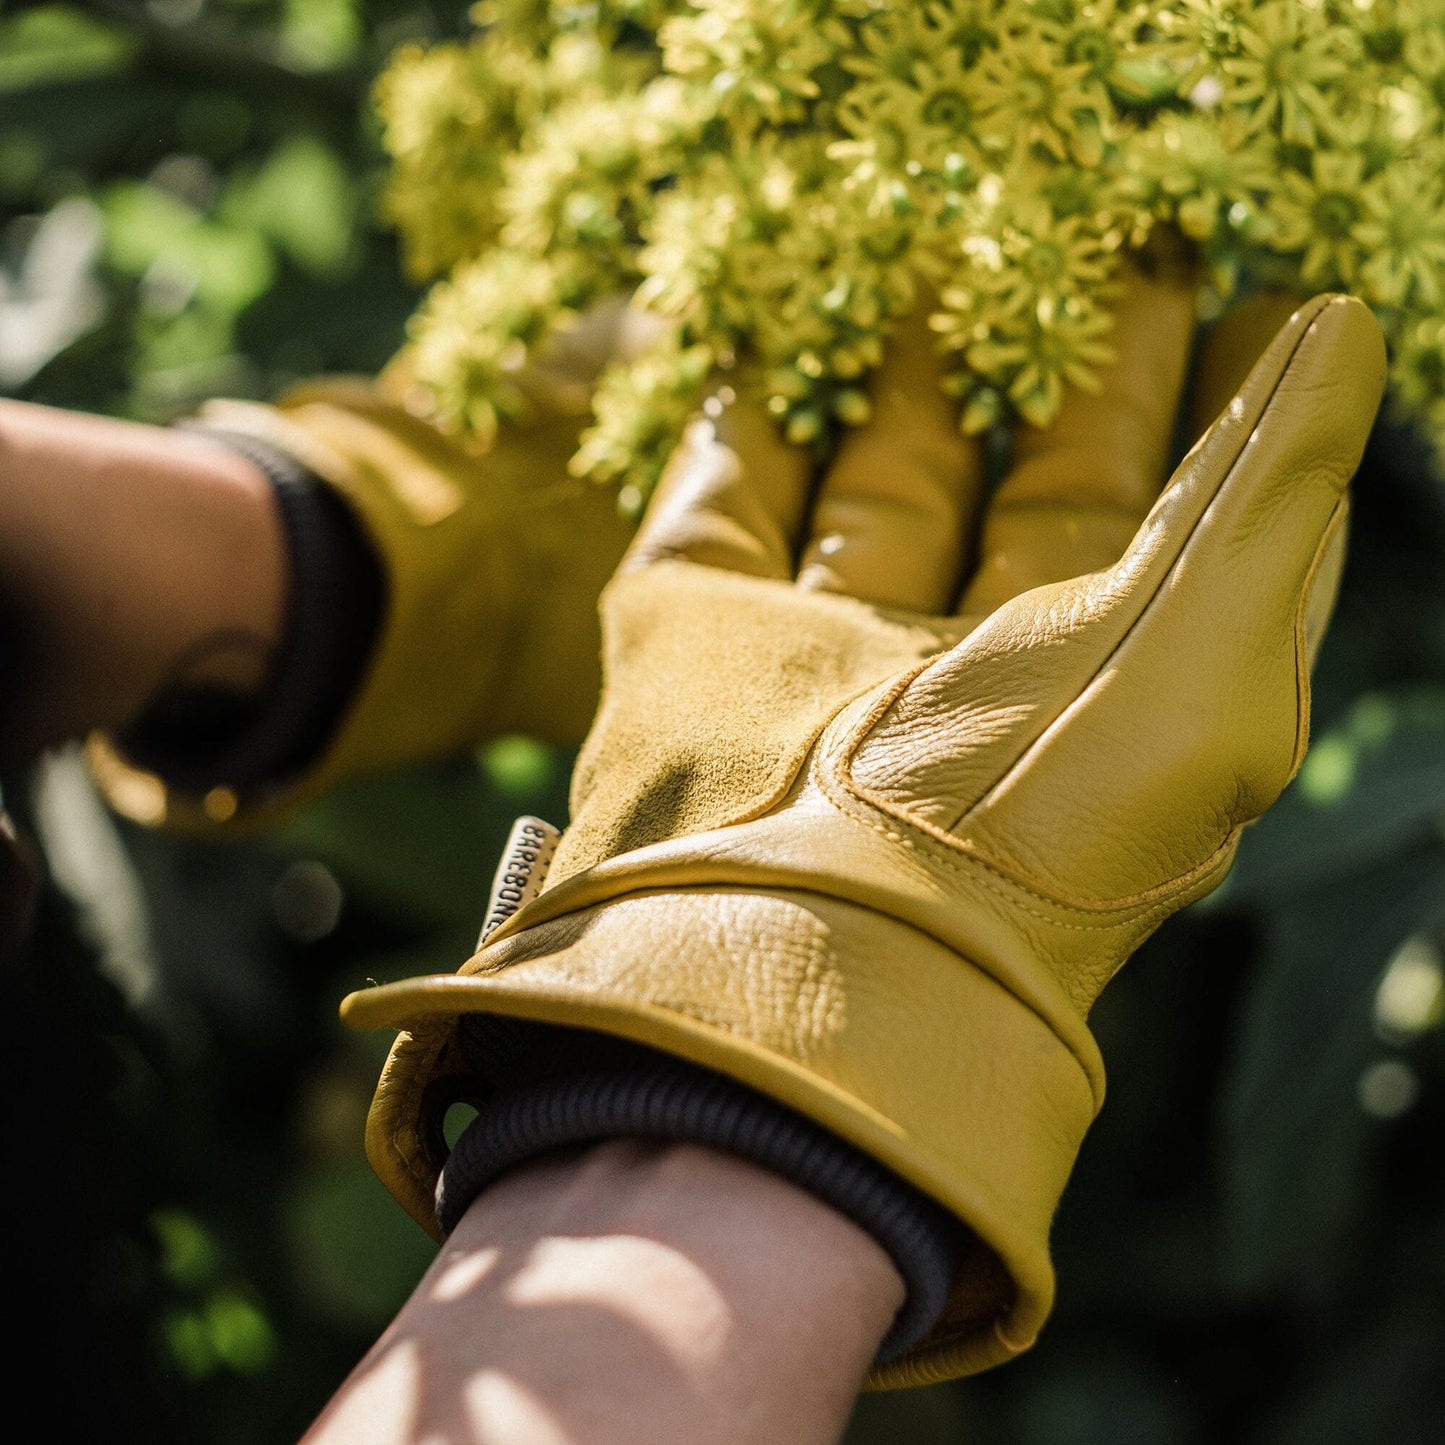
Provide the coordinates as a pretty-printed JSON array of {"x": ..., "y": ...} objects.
[
  {"x": 875, "y": 855},
  {"x": 492, "y": 566}
]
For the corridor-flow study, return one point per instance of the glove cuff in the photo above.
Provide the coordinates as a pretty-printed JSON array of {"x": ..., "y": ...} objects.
[
  {"x": 622, "y": 1091},
  {"x": 866, "y": 1026}
]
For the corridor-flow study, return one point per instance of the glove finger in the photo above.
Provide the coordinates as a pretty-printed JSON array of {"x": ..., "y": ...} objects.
[
  {"x": 1077, "y": 489},
  {"x": 1117, "y": 727},
  {"x": 1235, "y": 342},
  {"x": 733, "y": 496},
  {"x": 892, "y": 516}
]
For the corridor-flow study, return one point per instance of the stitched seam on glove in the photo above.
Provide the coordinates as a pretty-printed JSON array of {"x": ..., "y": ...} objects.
[
  {"x": 1301, "y": 639},
  {"x": 1123, "y": 923},
  {"x": 1166, "y": 574},
  {"x": 479, "y": 967},
  {"x": 781, "y": 780},
  {"x": 948, "y": 835},
  {"x": 1110, "y": 913},
  {"x": 405, "y": 1147}
]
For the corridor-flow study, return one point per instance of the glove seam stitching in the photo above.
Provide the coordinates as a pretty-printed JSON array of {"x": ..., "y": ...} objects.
[
  {"x": 1301, "y": 650},
  {"x": 1111, "y": 914},
  {"x": 1155, "y": 592},
  {"x": 404, "y": 1141},
  {"x": 855, "y": 742},
  {"x": 1004, "y": 889}
]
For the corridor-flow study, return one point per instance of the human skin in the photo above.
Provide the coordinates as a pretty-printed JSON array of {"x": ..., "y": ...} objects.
[
  {"x": 629, "y": 1294},
  {"x": 131, "y": 556}
]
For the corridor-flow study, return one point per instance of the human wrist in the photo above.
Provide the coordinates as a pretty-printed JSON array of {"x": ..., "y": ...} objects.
[
  {"x": 127, "y": 551},
  {"x": 631, "y": 1292},
  {"x": 196, "y": 741}
]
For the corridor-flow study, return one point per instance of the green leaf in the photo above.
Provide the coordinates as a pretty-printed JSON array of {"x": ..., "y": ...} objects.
[
  {"x": 304, "y": 201},
  {"x": 1367, "y": 787},
  {"x": 188, "y": 1344},
  {"x": 355, "y": 1254},
  {"x": 1294, "y": 1137},
  {"x": 322, "y": 33},
  {"x": 58, "y": 42},
  {"x": 148, "y": 230},
  {"x": 240, "y": 1334},
  {"x": 426, "y": 843},
  {"x": 189, "y": 1257}
]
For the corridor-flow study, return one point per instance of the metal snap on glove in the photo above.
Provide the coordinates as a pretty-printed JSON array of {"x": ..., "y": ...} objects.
[{"x": 876, "y": 854}]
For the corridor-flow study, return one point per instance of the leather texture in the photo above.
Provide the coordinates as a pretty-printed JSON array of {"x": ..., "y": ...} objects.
[
  {"x": 492, "y": 561},
  {"x": 876, "y": 855}
]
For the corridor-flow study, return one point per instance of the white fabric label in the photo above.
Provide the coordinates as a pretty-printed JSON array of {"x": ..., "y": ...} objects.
[{"x": 522, "y": 871}]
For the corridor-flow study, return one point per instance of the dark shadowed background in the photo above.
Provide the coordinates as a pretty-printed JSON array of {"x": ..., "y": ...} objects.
[{"x": 1253, "y": 1247}]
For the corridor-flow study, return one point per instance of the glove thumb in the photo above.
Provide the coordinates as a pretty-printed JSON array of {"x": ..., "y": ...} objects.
[{"x": 1102, "y": 737}]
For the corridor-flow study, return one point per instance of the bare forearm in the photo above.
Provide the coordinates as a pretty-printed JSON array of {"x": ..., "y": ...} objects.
[
  {"x": 633, "y": 1293},
  {"x": 126, "y": 551}
]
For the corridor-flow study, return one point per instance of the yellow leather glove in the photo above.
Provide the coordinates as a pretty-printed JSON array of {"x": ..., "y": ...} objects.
[
  {"x": 492, "y": 567},
  {"x": 877, "y": 860}
]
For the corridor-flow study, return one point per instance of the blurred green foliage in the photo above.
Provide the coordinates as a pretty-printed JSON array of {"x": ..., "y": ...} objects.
[
  {"x": 187, "y": 190},
  {"x": 1253, "y": 1249}
]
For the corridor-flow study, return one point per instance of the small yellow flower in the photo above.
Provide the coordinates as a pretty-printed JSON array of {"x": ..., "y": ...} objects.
[
  {"x": 1063, "y": 347},
  {"x": 1383, "y": 28},
  {"x": 892, "y": 43},
  {"x": 1194, "y": 37},
  {"x": 1319, "y": 215},
  {"x": 967, "y": 28},
  {"x": 1032, "y": 99},
  {"x": 1102, "y": 36},
  {"x": 587, "y": 178},
  {"x": 759, "y": 55},
  {"x": 730, "y": 240},
  {"x": 449, "y": 115},
  {"x": 945, "y": 111},
  {"x": 1026, "y": 340},
  {"x": 1289, "y": 58},
  {"x": 1403, "y": 233},
  {"x": 909, "y": 143},
  {"x": 1209, "y": 171},
  {"x": 472, "y": 336},
  {"x": 778, "y": 177},
  {"x": 1417, "y": 373},
  {"x": 1041, "y": 260},
  {"x": 1424, "y": 60},
  {"x": 528, "y": 22},
  {"x": 641, "y": 408}
]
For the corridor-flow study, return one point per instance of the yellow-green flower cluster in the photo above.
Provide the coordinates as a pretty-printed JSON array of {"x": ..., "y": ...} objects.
[{"x": 783, "y": 180}]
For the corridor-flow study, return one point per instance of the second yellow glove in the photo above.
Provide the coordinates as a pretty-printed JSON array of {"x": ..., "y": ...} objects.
[{"x": 491, "y": 565}]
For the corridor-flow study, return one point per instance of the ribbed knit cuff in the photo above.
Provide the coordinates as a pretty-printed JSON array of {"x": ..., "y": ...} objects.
[
  {"x": 626, "y": 1090},
  {"x": 198, "y": 739}
]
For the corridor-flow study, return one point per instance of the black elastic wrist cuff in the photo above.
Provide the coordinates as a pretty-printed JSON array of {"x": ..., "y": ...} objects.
[
  {"x": 640, "y": 1093},
  {"x": 197, "y": 739}
]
